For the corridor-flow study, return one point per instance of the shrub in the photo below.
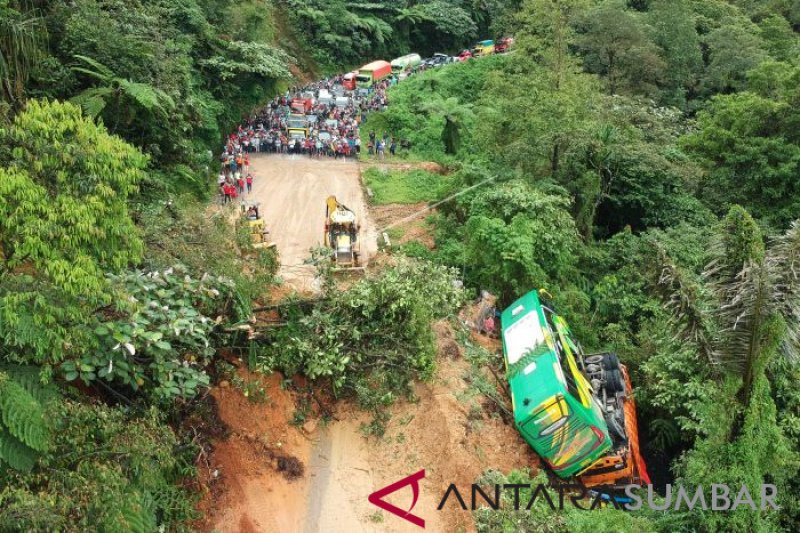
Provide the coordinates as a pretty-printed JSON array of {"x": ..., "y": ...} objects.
[
  {"x": 372, "y": 340},
  {"x": 107, "y": 471},
  {"x": 157, "y": 336}
]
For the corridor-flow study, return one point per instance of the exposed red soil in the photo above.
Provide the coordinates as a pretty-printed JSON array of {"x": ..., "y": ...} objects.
[
  {"x": 448, "y": 431},
  {"x": 416, "y": 229}
]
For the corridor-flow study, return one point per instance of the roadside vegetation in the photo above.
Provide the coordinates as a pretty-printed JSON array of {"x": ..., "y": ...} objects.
[{"x": 638, "y": 159}]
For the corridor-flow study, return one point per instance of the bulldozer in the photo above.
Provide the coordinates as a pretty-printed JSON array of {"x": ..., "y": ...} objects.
[
  {"x": 341, "y": 235},
  {"x": 256, "y": 226}
]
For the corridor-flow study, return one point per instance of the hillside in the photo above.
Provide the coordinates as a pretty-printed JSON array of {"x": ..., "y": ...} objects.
[{"x": 184, "y": 346}]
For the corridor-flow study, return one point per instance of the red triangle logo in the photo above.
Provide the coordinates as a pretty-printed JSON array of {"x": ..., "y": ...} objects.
[{"x": 376, "y": 498}]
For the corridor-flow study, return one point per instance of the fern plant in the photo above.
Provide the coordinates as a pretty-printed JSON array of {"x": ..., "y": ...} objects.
[
  {"x": 24, "y": 431},
  {"x": 124, "y": 94}
]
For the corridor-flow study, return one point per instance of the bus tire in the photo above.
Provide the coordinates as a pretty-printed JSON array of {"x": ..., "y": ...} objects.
[
  {"x": 610, "y": 361},
  {"x": 614, "y": 381}
]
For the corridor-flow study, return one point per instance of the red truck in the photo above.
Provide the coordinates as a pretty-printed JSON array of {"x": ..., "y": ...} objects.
[
  {"x": 349, "y": 81},
  {"x": 503, "y": 45},
  {"x": 302, "y": 105}
]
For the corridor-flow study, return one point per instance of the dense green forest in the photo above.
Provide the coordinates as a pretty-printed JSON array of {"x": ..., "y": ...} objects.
[{"x": 641, "y": 161}]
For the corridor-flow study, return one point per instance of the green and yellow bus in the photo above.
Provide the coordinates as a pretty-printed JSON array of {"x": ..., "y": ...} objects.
[
  {"x": 554, "y": 406},
  {"x": 576, "y": 411}
]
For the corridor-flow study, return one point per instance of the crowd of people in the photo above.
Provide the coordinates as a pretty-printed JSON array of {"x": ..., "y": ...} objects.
[
  {"x": 332, "y": 127},
  {"x": 332, "y": 124},
  {"x": 235, "y": 179}
]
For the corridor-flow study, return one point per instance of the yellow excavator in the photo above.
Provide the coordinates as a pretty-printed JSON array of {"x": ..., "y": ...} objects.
[{"x": 341, "y": 235}]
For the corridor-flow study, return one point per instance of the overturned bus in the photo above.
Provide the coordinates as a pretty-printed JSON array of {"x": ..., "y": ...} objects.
[{"x": 577, "y": 412}]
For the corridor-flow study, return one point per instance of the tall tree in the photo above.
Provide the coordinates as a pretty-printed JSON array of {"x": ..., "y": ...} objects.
[
  {"x": 455, "y": 116},
  {"x": 615, "y": 43},
  {"x": 751, "y": 312},
  {"x": 557, "y": 97},
  {"x": 673, "y": 29},
  {"x": 734, "y": 48},
  {"x": 742, "y": 316},
  {"x": 750, "y": 146}
]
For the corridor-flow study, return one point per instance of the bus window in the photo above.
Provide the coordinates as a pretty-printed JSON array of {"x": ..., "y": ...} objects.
[
  {"x": 561, "y": 353},
  {"x": 552, "y": 416},
  {"x": 522, "y": 337}
]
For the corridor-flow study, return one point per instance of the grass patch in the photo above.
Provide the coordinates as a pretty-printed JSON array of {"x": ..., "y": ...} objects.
[
  {"x": 396, "y": 233},
  {"x": 403, "y": 187}
]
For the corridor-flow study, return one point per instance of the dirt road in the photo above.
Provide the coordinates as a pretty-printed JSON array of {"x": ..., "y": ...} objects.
[{"x": 292, "y": 191}]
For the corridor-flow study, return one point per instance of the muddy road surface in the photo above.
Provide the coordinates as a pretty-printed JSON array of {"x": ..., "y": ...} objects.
[{"x": 292, "y": 190}]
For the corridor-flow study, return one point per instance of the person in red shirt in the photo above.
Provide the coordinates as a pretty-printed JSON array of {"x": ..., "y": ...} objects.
[
  {"x": 228, "y": 190},
  {"x": 240, "y": 184},
  {"x": 246, "y": 163},
  {"x": 249, "y": 183}
]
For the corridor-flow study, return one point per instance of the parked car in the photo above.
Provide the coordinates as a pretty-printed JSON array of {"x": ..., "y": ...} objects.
[
  {"x": 437, "y": 60},
  {"x": 325, "y": 97},
  {"x": 464, "y": 55}
]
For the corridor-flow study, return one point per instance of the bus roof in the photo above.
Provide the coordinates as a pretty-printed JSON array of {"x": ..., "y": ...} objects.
[
  {"x": 375, "y": 65},
  {"x": 406, "y": 58},
  {"x": 533, "y": 367}
]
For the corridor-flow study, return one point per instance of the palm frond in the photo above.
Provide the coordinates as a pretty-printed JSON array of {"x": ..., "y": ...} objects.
[
  {"x": 377, "y": 28},
  {"x": 147, "y": 96},
  {"x": 743, "y": 306},
  {"x": 93, "y": 100},
  {"x": 101, "y": 72},
  {"x": 783, "y": 263},
  {"x": 683, "y": 299}
]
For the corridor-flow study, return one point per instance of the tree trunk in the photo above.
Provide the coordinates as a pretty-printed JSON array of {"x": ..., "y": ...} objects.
[{"x": 554, "y": 157}]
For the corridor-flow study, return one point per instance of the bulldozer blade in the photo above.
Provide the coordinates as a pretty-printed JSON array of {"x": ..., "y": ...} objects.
[{"x": 349, "y": 269}]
